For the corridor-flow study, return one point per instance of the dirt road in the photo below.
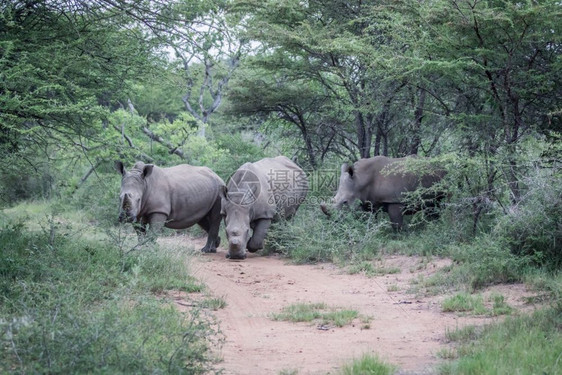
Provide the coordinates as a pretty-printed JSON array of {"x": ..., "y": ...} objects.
[{"x": 404, "y": 329}]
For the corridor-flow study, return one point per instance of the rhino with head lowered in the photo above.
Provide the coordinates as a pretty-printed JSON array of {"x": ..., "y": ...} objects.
[
  {"x": 381, "y": 182},
  {"x": 176, "y": 197},
  {"x": 257, "y": 194}
]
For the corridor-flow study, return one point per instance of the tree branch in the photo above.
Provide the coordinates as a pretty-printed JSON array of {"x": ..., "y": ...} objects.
[{"x": 172, "y": 149}]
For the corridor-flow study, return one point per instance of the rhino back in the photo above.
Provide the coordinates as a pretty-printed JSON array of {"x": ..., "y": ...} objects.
[
  {"x": 184, "y": 193},
  {"x": 286, "y": 183},
  {"x": 381, "y": 179}
]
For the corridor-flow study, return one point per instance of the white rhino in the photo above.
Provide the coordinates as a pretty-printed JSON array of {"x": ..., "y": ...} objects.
[
  {"x": 257, "y": 194},
  {"x": 380, "y": 182},
  {"x": 177, "y": 197}
]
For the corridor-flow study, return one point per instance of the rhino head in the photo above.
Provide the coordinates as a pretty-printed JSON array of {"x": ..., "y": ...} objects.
[
  {"x": 133, "y": 184},
  {"x": 236, "y": 210},
  {"x": 347, "y": 193}
]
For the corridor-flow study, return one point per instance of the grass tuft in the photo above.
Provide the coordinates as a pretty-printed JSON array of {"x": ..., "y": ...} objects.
[
  {"x": 214, "y": 303},
  {"x": 370, "y": 270},
  {"x": 367, "y": 364},
  {"x": 308, "y": 312},
  {"x": 464, "y": 302},
  {"x": 463, "y": 335},
  {"x": 474, "y": 304}
]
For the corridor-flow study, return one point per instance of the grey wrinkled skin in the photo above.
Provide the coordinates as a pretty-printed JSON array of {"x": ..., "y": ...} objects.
[
  {"x": 257, "y": 194},
  {"x": 369, "y": 181},
  {"x": 176, "y": 197}
]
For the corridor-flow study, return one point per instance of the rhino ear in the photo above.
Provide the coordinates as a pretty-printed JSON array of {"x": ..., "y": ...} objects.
[
  {"x": 347, "y": 169},
  {"x": 147, "y": 170},
  {"x": 119, "y": 167},
  {"x": 223, "y": 192}
]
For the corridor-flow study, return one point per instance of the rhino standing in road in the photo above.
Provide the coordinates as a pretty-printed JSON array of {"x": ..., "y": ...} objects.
[
  {"x": 176, "y": 197},
  {"x": 381, "y": 182},
  {"x": 257, "y": 194}
]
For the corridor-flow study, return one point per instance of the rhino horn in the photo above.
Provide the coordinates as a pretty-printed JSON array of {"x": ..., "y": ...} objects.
[{"x": 325, "y": 210}]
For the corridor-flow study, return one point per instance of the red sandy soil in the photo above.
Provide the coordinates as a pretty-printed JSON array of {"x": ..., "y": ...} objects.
[{"x": 405, "y": 329}]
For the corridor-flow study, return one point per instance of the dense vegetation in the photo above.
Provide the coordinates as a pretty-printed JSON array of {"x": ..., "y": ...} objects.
[
  {"x": 73, "y": 301},
  {"x": 474, "y": 85}
]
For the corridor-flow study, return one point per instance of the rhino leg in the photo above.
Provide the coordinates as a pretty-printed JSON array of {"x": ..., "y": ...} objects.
[
  {"x": 260, "y": 230},
  {"x": 140, "y": 229},
  {"x": 325, "y": 209},
  {"x": 211, "y": 224},
  {"x": 396, "y": 216},
  {"x": 156, "y": 222},
  {"x": 147, "y": 229}
]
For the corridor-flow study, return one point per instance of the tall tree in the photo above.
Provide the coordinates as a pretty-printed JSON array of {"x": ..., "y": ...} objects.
[
  {"x": 496, "y": 64},
  {"x": 281, "y": 95},
  {"x": 327, "y": 43},
  {"x": 207, "y": 61},
  {"x": 64, "y": 66}
]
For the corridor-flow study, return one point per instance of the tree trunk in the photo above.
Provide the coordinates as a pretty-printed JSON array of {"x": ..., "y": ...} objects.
[
  {"x": 512, "y": 137},
  {"x": 363, "y": 136},
  {"x": 418, "y": 116},
  {"x": 309, "y": 149},
  {"x": 513, "y": 180},
  {"x": 381, "y": 139},
  {"x": 378, "y": 139}
]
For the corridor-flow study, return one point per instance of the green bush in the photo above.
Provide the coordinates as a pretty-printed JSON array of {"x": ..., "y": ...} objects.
[
  {"x": 98, "y": 196},
  {"x": 520, "y": 345},
  {"x": 19, "y": 260},
  {"x": 72, "y": 303},
  {"x": 533, "y": 228},
  {"x": 237, "y": 151},
  {"x": 311, "y": 237},
  {"x": 20, "y": 180},
  {"x": 136, "y": 335},
  {"x": 486, "y": 261}
]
